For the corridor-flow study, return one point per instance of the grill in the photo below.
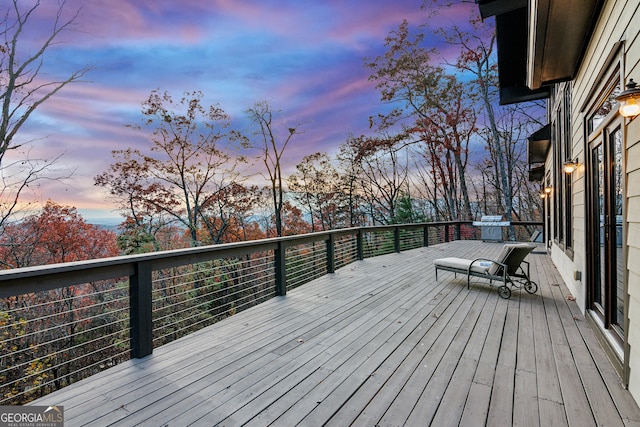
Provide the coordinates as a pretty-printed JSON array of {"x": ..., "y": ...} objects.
[{"x": 491, "y": 227}]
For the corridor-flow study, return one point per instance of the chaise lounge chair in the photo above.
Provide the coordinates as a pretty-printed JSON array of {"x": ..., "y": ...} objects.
[{"x": 507, "y": 268}]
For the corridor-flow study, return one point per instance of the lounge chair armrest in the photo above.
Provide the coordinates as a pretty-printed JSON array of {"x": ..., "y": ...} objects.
[{"x": 504, "y": 267}]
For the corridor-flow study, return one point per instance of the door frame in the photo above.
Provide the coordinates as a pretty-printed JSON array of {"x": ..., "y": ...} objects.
[{"x": 611, "y": 337}]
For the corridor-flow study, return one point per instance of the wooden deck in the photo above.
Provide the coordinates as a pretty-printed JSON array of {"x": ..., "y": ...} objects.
[{"x": 379, "y": 343}]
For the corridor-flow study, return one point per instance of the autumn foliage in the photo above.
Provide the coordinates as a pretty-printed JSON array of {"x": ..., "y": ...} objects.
[
  {"x": 42, "y": 333},
  {"x": 56, "y": 234}
]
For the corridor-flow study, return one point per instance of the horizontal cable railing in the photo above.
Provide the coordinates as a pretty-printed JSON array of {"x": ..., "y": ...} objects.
[
  {"x": 345, "y": 250},
  {"x": 49, "y": 339},
  {"x": 305, "y": 262},
  {"x": 64, "y": 322}
]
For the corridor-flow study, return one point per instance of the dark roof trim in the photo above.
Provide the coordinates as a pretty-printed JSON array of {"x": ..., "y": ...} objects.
[
  {"x": 511, "y": 28},
  {"x": 538, "y": 145},
  {"x": 540, "y": 42},
  {"x": 536, "y": 173},
  {"x": 514, "y": 94},
  {"x": 496, "y": 7}
]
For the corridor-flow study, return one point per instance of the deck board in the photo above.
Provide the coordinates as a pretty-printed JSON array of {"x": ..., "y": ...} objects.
[{"x": 380, "y": 342}]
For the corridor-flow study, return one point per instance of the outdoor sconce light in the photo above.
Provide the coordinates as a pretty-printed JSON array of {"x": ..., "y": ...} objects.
[
  {"x": 547, "y": 190},
  {"x": 570, "y": 166},
  {"x": 629, "y": 100},
  {"x": 543, "y": 195}
]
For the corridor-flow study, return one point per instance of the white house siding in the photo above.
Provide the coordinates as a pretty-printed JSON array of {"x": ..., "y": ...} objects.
[
  {"x": 633, "y": 243},
  {"x": 619, "y": 21}
]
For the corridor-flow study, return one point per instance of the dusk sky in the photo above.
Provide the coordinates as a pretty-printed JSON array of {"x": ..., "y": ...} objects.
[{"x": 304, "y": 57}]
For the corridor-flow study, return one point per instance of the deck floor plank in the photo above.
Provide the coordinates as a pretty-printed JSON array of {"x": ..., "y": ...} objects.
[
  {"x": 379, "y": 384},
  {"x": 525, "y": 409},
  {"x": 501, "y": 404},
  {"x": 392, "y": 377},
  {"x": 435, "y": 388},
  {"x": 455, "y": 303},
  {"x": 600, "y": 403},
  {"x": 412, "y": 391},
  {"x": 327, "y": 342},
  {"x": 387, "y": 309},
  {"x": 380, "y": 342},
  {"x": 452, "y": 404}
]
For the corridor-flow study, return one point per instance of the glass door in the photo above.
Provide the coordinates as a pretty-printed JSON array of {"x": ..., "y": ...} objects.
[{"x": 606, "y": 219}]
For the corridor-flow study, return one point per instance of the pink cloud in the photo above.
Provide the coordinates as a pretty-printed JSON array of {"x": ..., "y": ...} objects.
[{"x": 305, "y": 57}]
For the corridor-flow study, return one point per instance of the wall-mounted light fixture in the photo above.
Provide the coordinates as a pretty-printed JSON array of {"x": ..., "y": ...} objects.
[
  {"x": 629, "y": 100},
  {"x": 543, "y": 195},
  {"x": 570, "y": 166},
  {"x": 547, "y": 190}
]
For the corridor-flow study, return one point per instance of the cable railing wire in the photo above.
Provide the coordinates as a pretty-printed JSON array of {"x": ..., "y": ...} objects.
[
  {"x": 63, "y": 338},
  {"x": 218, "y": 300}
]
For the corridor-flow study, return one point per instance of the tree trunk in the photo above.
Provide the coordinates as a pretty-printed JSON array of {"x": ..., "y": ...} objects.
[
  {"x": 500, "y": 157},
  {"x": 463, "y": 186}
]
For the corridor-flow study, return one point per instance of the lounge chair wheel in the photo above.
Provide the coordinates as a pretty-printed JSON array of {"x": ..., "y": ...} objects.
[
  {"x": 531, "y": 287},
  {"x": 504, "y": 292}
]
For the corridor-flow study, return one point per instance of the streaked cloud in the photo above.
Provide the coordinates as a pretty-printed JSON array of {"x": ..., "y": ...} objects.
[{"x": 305, "y": 57}]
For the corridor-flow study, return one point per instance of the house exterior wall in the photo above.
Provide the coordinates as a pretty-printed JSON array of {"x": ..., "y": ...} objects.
[
  {"x": 633, "y": 243},
  {"x": 619, "y": 21}
]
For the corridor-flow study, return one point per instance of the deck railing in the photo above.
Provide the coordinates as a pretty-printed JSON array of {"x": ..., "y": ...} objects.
[{"x": 61, "y": 323}]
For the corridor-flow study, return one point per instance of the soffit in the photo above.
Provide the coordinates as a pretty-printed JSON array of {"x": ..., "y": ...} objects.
[{"x": 558, "y": 36}]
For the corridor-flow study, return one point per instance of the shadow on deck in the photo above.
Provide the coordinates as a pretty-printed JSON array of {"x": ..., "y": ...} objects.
[{"x": 379, "y": 342}]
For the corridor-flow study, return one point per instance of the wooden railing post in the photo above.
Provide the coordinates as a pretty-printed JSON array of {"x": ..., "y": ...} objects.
[
  {"x": 396, "y": 239},
  {"x": 280, "y": 269},
  {"x": 360, "y": 245},
  {"x": 425, "y": 235},
  {"x": 141, "y": 314},
  {"x": 331, "y": 261}
]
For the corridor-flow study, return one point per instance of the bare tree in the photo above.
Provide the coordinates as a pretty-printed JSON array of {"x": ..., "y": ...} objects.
[
  {"x": 506, "y": 127},
  {"x": 22, "y": 90},
  {"x": 316, "y": 186},
  {"x": 350, "y": 182},
  {"x": 382, "y": 173},
  {"x": 503, "y": 128},
  {"x": 188, "y": 165},
  {"x": 273, "y": 146},
  {"x": 431, "y": 105}
]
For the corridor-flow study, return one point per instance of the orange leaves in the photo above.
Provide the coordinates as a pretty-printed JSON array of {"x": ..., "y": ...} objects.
[{"x": 57, "y": 234}]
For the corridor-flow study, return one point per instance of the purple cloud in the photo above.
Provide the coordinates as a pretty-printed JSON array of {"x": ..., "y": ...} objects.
[{"x": 306, "y": 58}]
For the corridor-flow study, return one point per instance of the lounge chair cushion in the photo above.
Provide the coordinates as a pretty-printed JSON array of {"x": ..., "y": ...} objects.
[
  {"x": 503, "y": 256},
  {"x": 463, "y": 264}
]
